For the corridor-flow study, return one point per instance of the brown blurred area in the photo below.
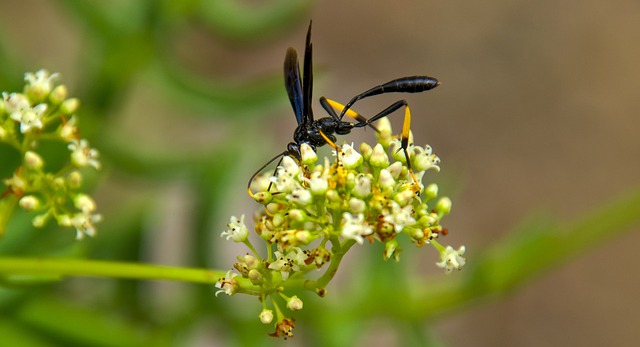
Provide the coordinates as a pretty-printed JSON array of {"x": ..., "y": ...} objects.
[{"x": 539, "y": 110}]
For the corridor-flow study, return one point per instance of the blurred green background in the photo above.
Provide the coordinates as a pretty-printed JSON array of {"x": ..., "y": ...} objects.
[{"x": 537, "y": 116}]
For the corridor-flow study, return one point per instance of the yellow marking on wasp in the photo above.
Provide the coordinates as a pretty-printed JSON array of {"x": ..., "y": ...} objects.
[
  {"x": 406, "y": 126},
  {"x": 350, "y": 113}
]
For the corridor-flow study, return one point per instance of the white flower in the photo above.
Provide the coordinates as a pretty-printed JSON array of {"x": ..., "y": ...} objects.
[
  {"x": 355, "y": 227},
  {"x": 425, "y": 159},
  {"x": 318, "y": 184},
  {"x": 451, "y": 259},
  {"x": 362, "y": 188},
  {"x": 237, "y": 230},
  {"x": 227, "y": 284},
  {"x": 15, "y": 104},
  {"x": 29, "y": 117},
  {"x": 82, "y": 155},
  {"x": 399, "y": 216},
  {"x": 300, "y": 196},
  {"x": 84, "y": 224},
  {"x": 291, "y": 262},
  {"x": 350, "y": 158},
  {"x": 69, "y": 130},
  {"x": 39, "y": 84}
]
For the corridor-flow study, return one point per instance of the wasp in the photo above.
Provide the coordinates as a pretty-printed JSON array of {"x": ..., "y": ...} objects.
[{"x": 322, "y": 131}]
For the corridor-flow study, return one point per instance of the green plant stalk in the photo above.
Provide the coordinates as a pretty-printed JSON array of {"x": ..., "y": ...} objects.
[
  {"x": 7, "y": 205},
  {"x": 76, "y": 267}
]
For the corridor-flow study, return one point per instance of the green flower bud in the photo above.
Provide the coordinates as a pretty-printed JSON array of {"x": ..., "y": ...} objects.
[
  {"x": 58, "y": 94},
  {"x": 443, "y": 206},
  {"x": 379, "y": 157},
  {"x": 255, "y": 277},
  {"x": 33, "y": 161},
  {"x": 70, "y": 106}
]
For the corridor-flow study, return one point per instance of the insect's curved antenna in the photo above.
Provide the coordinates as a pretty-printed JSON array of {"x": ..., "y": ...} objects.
[{"x": 262, "y": 168}]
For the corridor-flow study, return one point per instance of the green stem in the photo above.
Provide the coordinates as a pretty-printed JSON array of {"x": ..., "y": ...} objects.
[
  {"x": 7, "y": 205},
  {"x": 336, "y": 259},
  {"x": 75, "y": 267}
]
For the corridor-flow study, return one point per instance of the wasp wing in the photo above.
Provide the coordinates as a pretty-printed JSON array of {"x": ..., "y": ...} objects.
[
  {"x": 307, "y": 79},
  {"x": 293, "y": 84}
]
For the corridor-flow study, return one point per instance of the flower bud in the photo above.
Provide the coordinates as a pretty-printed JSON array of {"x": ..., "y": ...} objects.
[
  {"x": 29, "y": 202},
  {"x": 294, "y": 303},
  {"x": 318, "y": 185},
  {"x": 84, "y": 203},
  {"x": 356, "y": 205},
  {"x": 263, "y": 197},
  {"x": 70, "y": 106},
  {"x": 255, "y": 277},
  {"x": 74, "y": 180},
  {"x": 58, "y": 94},
  {"x": 366, "y": 150},
  {"x": 385, "y": 180},
  {"x": 266, "y": 316},
  {"x": 379, "y": 157},
  {"x": 307, "y": 154},
  {"x": 430, "y": 192},
  {"x": 33, "y": 161},
  {"x": 443, "y": 206}
]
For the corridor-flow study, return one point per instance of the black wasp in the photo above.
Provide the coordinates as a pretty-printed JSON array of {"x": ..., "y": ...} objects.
[{"x": 318, "y": 132}]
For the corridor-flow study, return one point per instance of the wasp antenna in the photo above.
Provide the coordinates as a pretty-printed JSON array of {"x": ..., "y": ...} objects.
[{"x": 260, "y": 170}]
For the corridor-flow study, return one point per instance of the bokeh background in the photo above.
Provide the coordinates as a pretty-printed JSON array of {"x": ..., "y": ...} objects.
[{"x": 537, "y": 116}]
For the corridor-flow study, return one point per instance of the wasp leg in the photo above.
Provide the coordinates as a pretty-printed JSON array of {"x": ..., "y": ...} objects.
[
  {"x": 404, "y": 137},
  {"x": 331, "y": 106}
]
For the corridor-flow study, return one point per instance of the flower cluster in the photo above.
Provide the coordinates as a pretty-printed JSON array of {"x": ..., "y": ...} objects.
[
  {"x": 43, "y": 111},
  {"x": 368, "y": 195}
]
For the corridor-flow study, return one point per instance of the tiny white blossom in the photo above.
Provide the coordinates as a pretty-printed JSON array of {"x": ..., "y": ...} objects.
[
  {"x": 451, "y": 259},
  {"x": 350, "y": 158},
  {"x": 362, "y": 188},
  {"x": 30, "y": 117},
  {"x": 291, "y": 262},
  {"x": 15, "y": 104},
  {"x": 355, "y": 227},
  {"x": 399, "y": 216},
  {"x": 227, "y": 284},
  {"x": 39, "y": 84},
  {"x": 82, "y": 155},
  {"x": 318, "y": 184},
  {"x": 425, "y": 159},
  {"x": 69, "y": 130},
  {"x": 300, "y": 196},
  {"x": 237, "y": 230},
  {"x": 84, "y": 224}
]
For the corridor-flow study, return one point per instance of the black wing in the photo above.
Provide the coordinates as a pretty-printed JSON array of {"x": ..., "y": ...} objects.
[
  {"x": 292, "y": 83},
  {"x": 307, "y": 79}
]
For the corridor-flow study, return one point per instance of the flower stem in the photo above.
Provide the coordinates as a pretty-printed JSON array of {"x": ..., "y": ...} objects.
[
  {"x": 7, "y": 205},
  {"x": 76, "y": 267}
]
